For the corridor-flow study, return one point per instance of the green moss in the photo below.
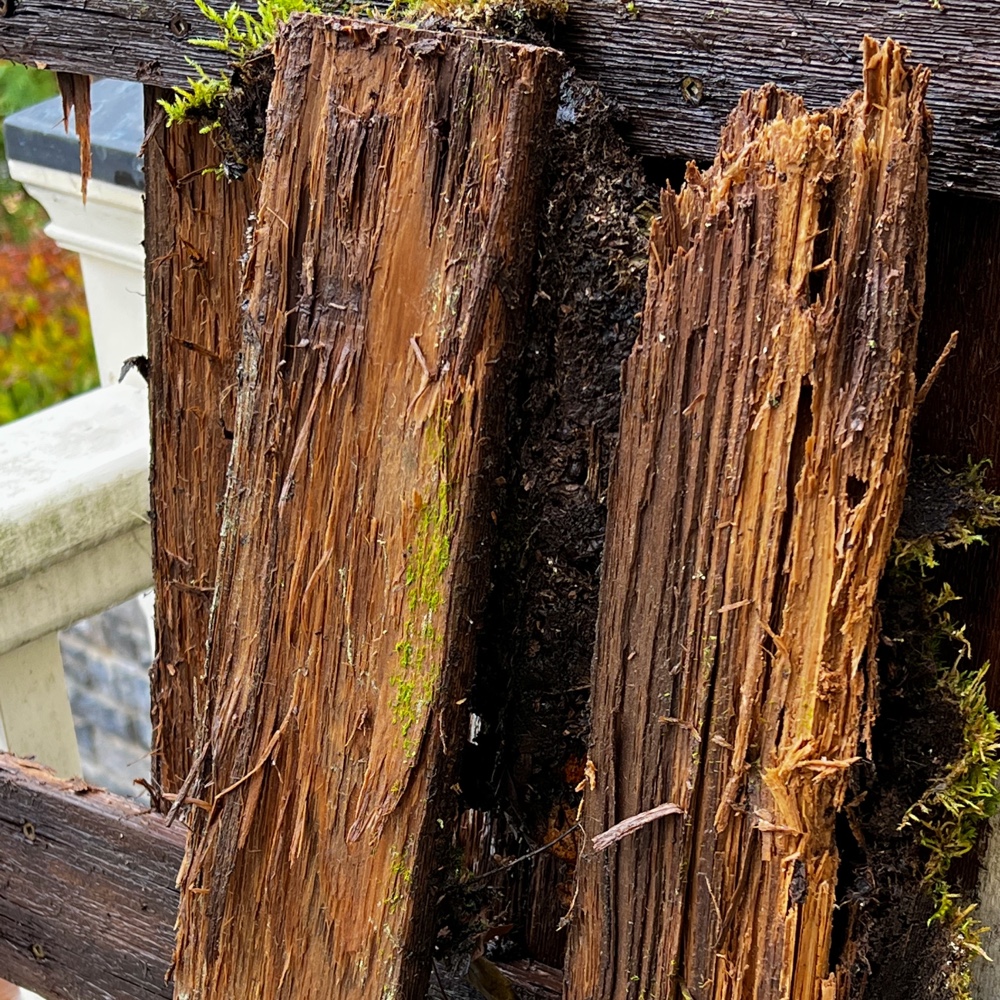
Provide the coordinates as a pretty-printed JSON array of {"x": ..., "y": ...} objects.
[
  {"x": 242, "y": 35},
  {"x": 944, "y": 510},
  {"x": 428, "y": 558},
  {"x": 402, "y": 876},
  {"x": 956, "y": 509},
  {"x": 515, "y": 19}
]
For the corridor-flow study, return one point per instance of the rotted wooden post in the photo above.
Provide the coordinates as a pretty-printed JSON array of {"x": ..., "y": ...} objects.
[
  {"x": 764, "y": 446},
  {"x": 195, "y": 235},
  {"x": 380, "y": 311}
]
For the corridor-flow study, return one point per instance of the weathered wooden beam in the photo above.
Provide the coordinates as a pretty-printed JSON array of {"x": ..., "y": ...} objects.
[
  {"x": 385, "y": 289},
  {"x": 117, "y": 38},
  {"x": 87, "y": 889},
  {"x": 675, "y": 69},
  {"x": 764, "y": 445},
  {"x": 195, "y": 235}
]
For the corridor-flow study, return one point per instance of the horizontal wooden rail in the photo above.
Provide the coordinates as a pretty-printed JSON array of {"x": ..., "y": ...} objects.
[
  {"x": 87, "y": 889},
  {"x": 116, "y": 38},
  {"x": 677, "y": 69},
  {"x": 87, "y": 896},
  {"x": 674, "y": 69}
]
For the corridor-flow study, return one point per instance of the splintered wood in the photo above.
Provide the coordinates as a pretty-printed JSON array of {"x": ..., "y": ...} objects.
[
  {"x": 765, "y": 433},
  {"x": 75, "y": 92},
  {"x": 383, "y": 293},
  {"x": 195, "y": 234}
]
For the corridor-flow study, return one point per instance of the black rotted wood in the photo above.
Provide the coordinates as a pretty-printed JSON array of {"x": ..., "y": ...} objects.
[{"x": 87, "y": 896}]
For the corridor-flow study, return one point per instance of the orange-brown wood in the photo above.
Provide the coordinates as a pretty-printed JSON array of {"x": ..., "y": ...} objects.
[
  {"x": 195, "y": 234},
  {"x": 384, "y": 291},
  {"x": 764, "y": 445}
]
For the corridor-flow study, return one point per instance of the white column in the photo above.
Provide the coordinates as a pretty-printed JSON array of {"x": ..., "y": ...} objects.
[
  {"x": 107, "y": 233},
  {"x": 34, "y": 706}
]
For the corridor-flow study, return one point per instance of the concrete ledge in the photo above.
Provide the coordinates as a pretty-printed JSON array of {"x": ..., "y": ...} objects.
[{"x": 74, "y": 494}]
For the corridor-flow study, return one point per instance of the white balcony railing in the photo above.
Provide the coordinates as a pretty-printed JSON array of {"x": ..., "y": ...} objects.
[{"x": 74, "y": 533}]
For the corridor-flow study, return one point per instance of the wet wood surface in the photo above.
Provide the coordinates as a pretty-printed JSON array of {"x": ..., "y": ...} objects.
[
  {"x": 675, "y": 69},
  {"x": 385, "y": 287},
  {"x": 87, "y": 889},
  {"x": 195, "y": 235},
  {"x": 764, "y": 445}
]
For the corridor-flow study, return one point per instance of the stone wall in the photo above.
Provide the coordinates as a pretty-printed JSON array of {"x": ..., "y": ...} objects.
[{"x": 107, "y": 660}]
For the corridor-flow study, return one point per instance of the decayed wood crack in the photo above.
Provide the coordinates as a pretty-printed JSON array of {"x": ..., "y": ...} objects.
[
  {"x": 765, "y": 436},
  {"x": 384, "y": 291}
]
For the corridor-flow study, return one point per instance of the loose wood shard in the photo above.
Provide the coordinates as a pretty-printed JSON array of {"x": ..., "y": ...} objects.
[
  {"x": 765, "y": 435},
  {"x": 74, "y": 89},
  {"x": 384, "y": 290}
]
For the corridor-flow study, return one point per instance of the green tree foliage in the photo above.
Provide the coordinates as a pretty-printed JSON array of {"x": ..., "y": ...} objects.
[{"x": 46, "y": 350}]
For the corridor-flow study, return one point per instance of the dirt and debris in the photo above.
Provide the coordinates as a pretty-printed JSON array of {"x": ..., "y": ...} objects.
[
  {"x": 535, "y": 655},
  {"x": 243, "y": 113}
]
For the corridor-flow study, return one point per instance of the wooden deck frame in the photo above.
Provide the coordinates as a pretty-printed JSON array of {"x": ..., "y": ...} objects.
[{"x": 670, "y": 113}]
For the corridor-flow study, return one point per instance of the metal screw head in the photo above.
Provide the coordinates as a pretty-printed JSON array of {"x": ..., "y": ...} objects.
[
  {"x": 178, "y": 25},
  {"x": 693, "y": 90}
]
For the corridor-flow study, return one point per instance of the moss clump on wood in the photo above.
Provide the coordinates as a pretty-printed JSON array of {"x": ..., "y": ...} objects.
[
  {"x": 233, "y": 105},
  {"x": 956, "y": 510},
  {"x": 515, "y": 20},
  {"x": 243, "y": 35},
  {"x": 932, "y": 780},
  {"x": 419, "y": 648}
]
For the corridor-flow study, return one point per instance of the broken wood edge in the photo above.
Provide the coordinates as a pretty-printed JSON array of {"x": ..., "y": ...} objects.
[{"x": 871, "y": 150}]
